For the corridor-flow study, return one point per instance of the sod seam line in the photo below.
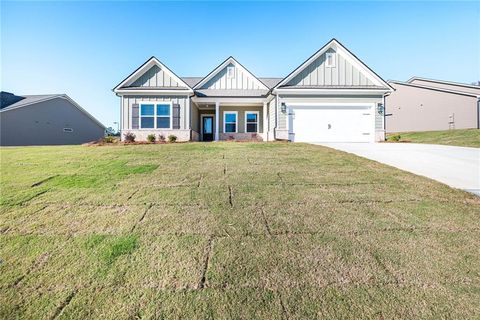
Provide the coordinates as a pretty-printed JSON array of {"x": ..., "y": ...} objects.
[
  {"x": 38, "y": 263},
  {"x": 64, "y": 304},
  {"x": 36, "y": 184},
  {"x": 142, "y": 217},
  {"x": 208, "y": 249},
  {"x": 265, "y": 221},
  {"x": 230, "y": 196}
]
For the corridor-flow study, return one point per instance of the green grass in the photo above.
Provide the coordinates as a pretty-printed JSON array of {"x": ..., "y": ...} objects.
[
  {"x": 460, "y": 137},
  {"x": 230, "y": 230}
]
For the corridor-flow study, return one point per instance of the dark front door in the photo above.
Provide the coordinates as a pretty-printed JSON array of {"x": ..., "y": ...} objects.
[{"x": 207, "y": 128}]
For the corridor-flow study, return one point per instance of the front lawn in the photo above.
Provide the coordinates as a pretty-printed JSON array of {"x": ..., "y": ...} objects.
[
  {"x": 460, "y": 137},
  {"x": 230, "y": 230}
]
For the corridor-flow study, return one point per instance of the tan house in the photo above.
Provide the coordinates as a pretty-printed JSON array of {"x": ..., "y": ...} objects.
[
  {"x": 427, "y": 105},
  {"x": 330, "y": 97}
]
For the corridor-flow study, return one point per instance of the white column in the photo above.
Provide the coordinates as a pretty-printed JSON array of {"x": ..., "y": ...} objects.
[
  {"x": 217, "y": 120},
  {"x": 265, "y": 121},
  {"x": 188, "y": 111}
]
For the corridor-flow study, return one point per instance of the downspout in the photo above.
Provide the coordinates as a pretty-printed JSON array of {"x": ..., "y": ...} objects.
[{"x": 478, "y": 112}]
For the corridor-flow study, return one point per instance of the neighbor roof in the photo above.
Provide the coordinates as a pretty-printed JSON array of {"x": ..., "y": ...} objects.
[
  {"x": 463, "y": 93},
  {"x": 444, "y": 82}
]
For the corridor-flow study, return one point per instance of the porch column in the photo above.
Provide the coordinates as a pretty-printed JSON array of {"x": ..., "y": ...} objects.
[
  {"x": 217, "y": 115},
  {"x": 265, "y": 121}
]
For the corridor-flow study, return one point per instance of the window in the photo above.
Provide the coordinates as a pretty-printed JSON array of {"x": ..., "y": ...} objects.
[
  {"x": 251, "y": 121},
  {"x": 230, "y": 72},
  {"x": 155, "y": 115},
  {"x": 230, "y": 121},
  {"x": 330, "y": 59}
]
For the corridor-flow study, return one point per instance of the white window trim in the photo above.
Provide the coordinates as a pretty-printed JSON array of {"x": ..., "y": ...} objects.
[
  {"x": 236, "y": 120},
  {"x": 334, "y": 59},
  {"x": 258, "y": 120},
  {"x": 228, "y": 72},
  {"x": 154, "y": 114}
]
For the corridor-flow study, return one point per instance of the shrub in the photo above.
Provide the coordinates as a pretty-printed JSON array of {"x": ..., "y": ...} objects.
[
  {"x": 161, "y": 138},
  {"x": 109, "y": 139},
  {"x": 395, "y": 137},
  {"x": 172, "y": 138},
  {"x": 129, "y": 137},
  {"x": 151, "y": 137}
]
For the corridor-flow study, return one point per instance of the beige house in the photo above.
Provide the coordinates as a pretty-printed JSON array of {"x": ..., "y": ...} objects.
[
  {"x": 330, "y": 97},
  {"x": 427, "y": 105}
]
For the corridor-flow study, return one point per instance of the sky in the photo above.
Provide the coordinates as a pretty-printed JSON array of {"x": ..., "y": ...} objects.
[{"x": 84, "y": 49}]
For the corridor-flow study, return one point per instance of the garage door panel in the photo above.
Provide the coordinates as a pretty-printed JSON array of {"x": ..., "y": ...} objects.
[{"x": 331, "y": 124}]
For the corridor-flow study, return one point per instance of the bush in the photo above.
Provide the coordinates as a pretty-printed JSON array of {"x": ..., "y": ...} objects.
[
  {"x": 172, "y": 138},
  {"x": 161, "y": 138},
  {"x": 109, "y": 139},
  {"x": 129, "y": 137},
  {"x": 395, "y": 137},
  {"x": 151, "y": 138}
]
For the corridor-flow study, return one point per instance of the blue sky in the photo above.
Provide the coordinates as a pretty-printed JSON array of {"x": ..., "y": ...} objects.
[{"x": 85, "y": 48}]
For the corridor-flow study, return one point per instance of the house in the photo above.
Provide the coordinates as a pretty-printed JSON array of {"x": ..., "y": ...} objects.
[
  {"x": 45, "y": 120},
  {"x": 332, "y": 96},
  {"x": 421, "y": 104}
]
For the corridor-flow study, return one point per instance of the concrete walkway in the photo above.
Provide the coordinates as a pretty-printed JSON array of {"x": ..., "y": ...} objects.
[{"x": 457, "y": 167}]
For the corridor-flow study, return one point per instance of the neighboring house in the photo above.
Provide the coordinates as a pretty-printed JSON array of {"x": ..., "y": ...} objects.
[
  {"x": 427, "y": 105},
  {"x": 45, "y": 120},
  {"x": 332, "y": 96}
]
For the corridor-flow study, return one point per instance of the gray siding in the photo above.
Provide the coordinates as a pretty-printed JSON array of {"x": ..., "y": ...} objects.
[
  {"x": 42, "y": 124},
  {"x": 128, "y": 101},
  {"x": 242, "y": 80},
  {"x": 272, "y": 114},
  {"x": 420, "y": 109},
  {"x": 155, "y": 77},
  {"x": 343, "y": 74}
]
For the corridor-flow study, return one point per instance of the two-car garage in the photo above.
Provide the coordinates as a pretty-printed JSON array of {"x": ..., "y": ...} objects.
[{"x": 352, "y": 122}]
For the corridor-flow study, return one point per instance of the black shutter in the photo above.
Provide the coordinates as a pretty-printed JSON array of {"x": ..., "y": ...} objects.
[
  {"x": 135, "y": 116},
  {"x": 176, "y": 116}
]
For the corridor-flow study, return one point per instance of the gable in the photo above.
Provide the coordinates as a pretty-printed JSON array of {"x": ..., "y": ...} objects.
[
  {"x": 343, "y": 73},
  {"x": 152, "y": 75},
  {"x": 242, "y": 79},
  {"x": 155, "y": 77},
  {"x": 347, "y": 71}
]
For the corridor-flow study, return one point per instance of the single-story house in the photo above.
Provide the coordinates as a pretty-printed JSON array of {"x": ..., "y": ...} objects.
[
  {"x": 421, "y": 104},
  {"x": 332, "y": 96},
  {"x": 45, "y": 120}
]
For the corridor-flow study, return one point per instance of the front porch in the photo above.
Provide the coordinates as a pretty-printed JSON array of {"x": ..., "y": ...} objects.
[{"x": 233, "y": 119}]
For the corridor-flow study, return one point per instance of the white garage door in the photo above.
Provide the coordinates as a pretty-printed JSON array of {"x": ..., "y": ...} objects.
[{"x": 339, "y": 123}]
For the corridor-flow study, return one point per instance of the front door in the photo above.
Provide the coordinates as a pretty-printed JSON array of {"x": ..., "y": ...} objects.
[{"x": 207, "y": 128}]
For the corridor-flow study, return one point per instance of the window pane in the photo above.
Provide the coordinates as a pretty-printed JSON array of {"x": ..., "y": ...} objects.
[
  {"x": 251, "y": 117},
  {"x": 163, "y": 109},
  {"x": 230, "y": 117},
  {"x": 251, "y": 127},
  {"x": 163, "y": 122},
  {"x": 146, "y": 110},
  {"x": 147, "y": 122},
  {"x": 230, "y": 127}
]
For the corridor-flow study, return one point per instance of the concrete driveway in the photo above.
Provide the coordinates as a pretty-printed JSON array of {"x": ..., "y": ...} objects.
[{"x": 458, "y": 167}]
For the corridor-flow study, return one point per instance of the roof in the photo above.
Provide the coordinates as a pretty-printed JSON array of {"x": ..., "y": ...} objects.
[
  {"x": 191, "y": 81},
  {"x": 463, "y": 93},
  {"x": 336, "y": 87},
  {"x": 29, "y": 100},
  {"x": 231, "y": 93},
  {"x": 7, "y": 98}
]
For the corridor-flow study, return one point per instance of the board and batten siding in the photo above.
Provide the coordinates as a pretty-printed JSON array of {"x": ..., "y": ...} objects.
[
  {"x": 155, "y": 77},
  {"x": 342, "y": 74},
  {"x": 129, "y": 101},
  {"x": 282, "y": 117},
  {"x": 241, "y": 80}
]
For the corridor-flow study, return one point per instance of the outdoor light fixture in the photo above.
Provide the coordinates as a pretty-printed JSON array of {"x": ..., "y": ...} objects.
[
  {"x": 380, "y": 108},
  {"x": 284, "y": 107}
]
